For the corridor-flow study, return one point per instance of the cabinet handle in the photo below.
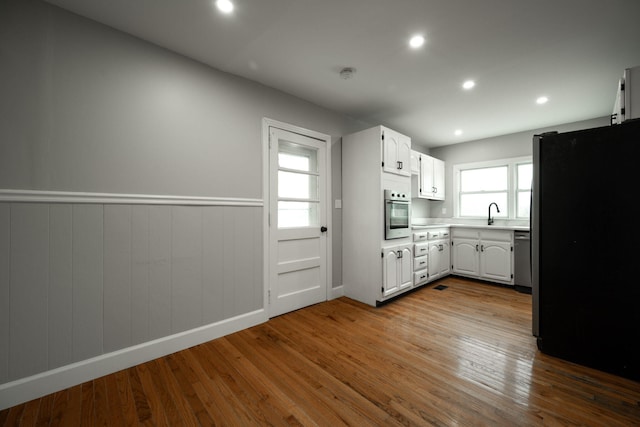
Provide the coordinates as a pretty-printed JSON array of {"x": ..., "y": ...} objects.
[
  {"x": 399, "y": 165},
  {"x": 399, "y": 254},
  {"x": 476, "y": 248},
  {"x": 441, "y": 248},
  {"x": 481, "y": 248}
]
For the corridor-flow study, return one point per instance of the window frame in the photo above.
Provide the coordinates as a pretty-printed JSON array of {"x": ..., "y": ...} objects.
[{"x": 512, "y": 184}]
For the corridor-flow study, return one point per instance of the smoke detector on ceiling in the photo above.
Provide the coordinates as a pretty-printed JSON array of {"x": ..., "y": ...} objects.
[{"x": 347, "y": 72}]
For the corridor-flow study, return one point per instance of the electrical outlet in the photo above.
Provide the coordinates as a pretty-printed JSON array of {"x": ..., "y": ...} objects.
[{"x": 444, "y": 211}]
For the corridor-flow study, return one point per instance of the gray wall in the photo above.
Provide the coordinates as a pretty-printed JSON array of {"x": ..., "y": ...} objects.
[
  {"x": 88, "y": 108},
  {"x": 85, "y": 108},
  {"x": 501, "y": 147}
]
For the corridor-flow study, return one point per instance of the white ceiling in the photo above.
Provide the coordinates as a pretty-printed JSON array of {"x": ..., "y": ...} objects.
[{"x": 573, "y": 51}]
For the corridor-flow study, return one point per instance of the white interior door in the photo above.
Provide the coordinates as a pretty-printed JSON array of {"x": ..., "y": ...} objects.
[{"x": 298, "y": 216}]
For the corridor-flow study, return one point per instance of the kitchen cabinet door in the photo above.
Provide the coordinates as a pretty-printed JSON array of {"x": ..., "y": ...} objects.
[
  {"x": 466, "y": 257},
  {"x": 495, "y": 261},
  {"x": 445, "y": 258},
  {"x": 431, "y": 178},
  {"x": 426, "y": 176},
  {"x": 396, "y": 153},
  {"x": 438, "y": 179},
  {"x": 396, "y": 269},
  {"x": 406, "y": 270},
  {"x": 390, "y": 283},
  {"x": 435, "y": 259},
  {"x": 439, "y": 259}
]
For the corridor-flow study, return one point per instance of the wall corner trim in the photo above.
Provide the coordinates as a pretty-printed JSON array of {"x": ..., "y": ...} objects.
[{"x": 336, "y": 292}]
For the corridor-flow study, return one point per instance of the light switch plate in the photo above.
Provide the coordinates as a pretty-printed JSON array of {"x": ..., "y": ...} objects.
[{"x": 338, "y": 204}]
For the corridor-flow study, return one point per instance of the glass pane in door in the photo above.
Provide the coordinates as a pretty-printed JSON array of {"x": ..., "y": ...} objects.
[
  {"x": 298, "y": 214},
  {"x": 297, "y": 157},
  {"x": 297, "y": 186}
]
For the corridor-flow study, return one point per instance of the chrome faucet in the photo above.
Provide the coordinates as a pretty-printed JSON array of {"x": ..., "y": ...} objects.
[{"x": 490, "y": 220}]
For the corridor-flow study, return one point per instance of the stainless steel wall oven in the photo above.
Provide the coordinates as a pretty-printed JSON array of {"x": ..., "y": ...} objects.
[{"x": 397, "y": 214}]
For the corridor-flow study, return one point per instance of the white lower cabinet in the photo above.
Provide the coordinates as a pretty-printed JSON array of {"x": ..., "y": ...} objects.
[
  {"x": 421, "y": 271},
  {"x": 483, "y": 254},
  {"x": 396, "y": 269},
  {"x": 440, "y": 257},
  {"x": 432, "y": 251},
  {"x": 465, "y": 256}
]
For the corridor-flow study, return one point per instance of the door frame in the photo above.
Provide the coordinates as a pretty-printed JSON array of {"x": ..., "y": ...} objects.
[{"x": 266, "y": 197}]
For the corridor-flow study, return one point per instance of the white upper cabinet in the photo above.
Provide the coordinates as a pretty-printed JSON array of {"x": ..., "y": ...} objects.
[
  {"x": 430, "y": 180},
  {"x": 438, "y": 179},
  {"x": 396, "y": 153}
]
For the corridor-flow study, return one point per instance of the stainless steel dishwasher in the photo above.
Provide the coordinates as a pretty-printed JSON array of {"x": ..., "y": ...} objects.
[{"x": 522, "y": 259}]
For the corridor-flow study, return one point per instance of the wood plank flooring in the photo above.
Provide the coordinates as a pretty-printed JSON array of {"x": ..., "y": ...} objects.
[{"x": 459, "y": 356}]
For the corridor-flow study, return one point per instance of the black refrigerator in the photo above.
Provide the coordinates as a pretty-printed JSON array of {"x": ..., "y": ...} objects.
[{"x": 585, "y": 247}]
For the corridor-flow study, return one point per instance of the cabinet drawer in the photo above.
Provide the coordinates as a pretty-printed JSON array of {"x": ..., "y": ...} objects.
[
  {"x": 420, "y": 249},
  {"x": 420, "y": 277},
  {"x": 421, "y": 236},
  {"x": 435, "y": 234},
  {"x": 420, "y": 263}
]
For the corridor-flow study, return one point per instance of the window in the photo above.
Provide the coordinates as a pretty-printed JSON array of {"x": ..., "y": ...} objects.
[
  {"x": 523, "y": 202},
  {"x": 505, "y": 182}
]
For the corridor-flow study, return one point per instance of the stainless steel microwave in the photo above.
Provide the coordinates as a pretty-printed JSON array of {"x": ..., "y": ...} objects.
[{"x": 397, "y": 213}]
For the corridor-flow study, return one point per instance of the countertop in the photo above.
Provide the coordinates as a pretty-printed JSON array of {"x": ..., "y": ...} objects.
[{"x": 496, "y": 227}]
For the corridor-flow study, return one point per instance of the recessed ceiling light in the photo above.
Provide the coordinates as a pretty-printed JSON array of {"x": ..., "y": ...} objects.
[
  {"x": 416, "y": 41},
  {"x": 468, "y": 84},
  {"x": 542, "y": 100},
  {"x": 224, "y": 6},
  {"x": 458, "y": 132}
]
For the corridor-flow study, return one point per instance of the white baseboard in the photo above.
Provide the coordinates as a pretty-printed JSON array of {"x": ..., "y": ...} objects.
[
  {"x": 336, "y": 292},
  {"x": 35, "y": 386}
]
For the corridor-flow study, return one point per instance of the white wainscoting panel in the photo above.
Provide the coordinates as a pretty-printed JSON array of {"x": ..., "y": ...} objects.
[{"x": 83, "y": 280}]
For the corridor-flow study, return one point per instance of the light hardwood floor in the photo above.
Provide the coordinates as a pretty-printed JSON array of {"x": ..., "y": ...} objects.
[{"x": 455, "y": 357}]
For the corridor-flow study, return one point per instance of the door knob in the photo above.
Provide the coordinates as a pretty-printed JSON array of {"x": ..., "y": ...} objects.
[{"x": 323, "y": 229}]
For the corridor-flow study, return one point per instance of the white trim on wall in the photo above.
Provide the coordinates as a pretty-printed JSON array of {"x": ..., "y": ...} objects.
[
  {"x": 39, "y": 385},
  {"x": 36, "y": 196}
]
